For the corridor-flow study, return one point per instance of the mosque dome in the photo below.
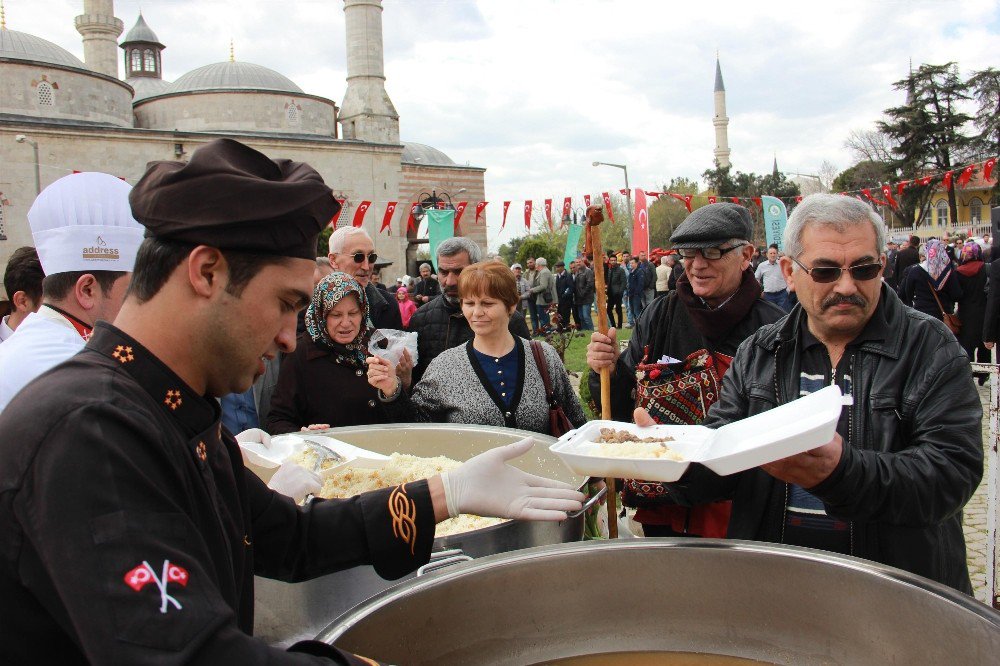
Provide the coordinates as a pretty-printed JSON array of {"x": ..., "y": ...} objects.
[
  {"x": 22, "y": 46},
  {"x": 418, "y": 153},
  {"x": 234, "y": 76},
  {"x": 147, "y": 86},
  {"x": 141, "y": 32}
]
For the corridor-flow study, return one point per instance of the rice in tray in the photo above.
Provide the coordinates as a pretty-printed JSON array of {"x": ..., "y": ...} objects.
[
  {"x": 400, "y": 468},
  {"x": 624, "y": 444}
]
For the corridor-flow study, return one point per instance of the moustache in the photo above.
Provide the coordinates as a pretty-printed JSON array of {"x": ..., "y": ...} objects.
[{"x": 837, "y": 299}]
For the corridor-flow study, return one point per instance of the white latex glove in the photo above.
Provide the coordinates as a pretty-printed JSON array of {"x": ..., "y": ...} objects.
[
  {"x": 254, "y": 435},
  {"x": 487, "y": 486},
  {"x": 295, "y": 481}
]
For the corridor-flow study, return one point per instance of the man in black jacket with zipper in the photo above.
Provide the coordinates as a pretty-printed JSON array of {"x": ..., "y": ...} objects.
[{"x": 908, "y": 454}]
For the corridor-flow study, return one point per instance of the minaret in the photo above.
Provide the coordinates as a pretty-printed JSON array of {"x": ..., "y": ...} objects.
[
  {"x": 143, "y": 52},
  {"x": 100, "y": 30},
  {"x": 721, "y": 120},
  {"x": 367, "y": 113},
  {"x": 774, "y": 171}
]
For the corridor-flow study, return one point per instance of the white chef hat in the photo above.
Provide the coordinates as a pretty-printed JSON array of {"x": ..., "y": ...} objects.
[{"x": 83, "y": 222}]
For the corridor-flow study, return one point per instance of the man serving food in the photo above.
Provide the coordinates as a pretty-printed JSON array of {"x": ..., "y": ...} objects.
[{"x": 130, "y": 531}]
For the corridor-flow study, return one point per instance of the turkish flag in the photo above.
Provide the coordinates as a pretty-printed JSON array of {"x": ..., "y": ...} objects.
[
  {"x": 607, "y": 204},
  {"x": 887, "y": 193},
  {"x": 548, "y": 212},
  {"x": 480, "y": 207},
  {"x": 624, "y": 192},
  {"x": 567, "y": 206},
  {"x": 640, "y": 226},
  {"x": 336, "y": 216},
  {"x": 712, "y": 199},
  {"x": 359, "y": 214},
  {"x": 506, "y": 205},
  {"x": 756, "y": 200},
  {"x": 867, "y": 193},
  {"x": 586, "y": 200},
  {"x": 900, "y": 186},
  {"x": 177, "y": 574},
  {"x": 686, "y": 198},
  {"x": 735, "y": 200},
  {"x": 925, "y": 181},
  {"x": 459, "y": 209},
  {"x": 139, "y": 577},
  {"x": 798, "y": 199},
  {"x": 390, "y": 208},
  {"x": 947, "y": 180},
  {"x": 966, "y": 175},
  {"x": 655, "y": 195},
  {"x": 988, "y": 168},
  {"x": 527, "y": 214},
  {"x": 411, "y": 222}
]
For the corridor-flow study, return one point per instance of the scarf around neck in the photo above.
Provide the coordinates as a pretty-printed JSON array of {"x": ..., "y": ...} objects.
[
  {"x": 328, "y": 293},
  {"x": 716, "y": 323}
]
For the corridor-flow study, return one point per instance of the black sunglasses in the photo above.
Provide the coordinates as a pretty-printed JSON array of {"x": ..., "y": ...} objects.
[
  {"x": 712, "y": 253},
  {"x": 360, "y": 256},
  {"x": 823, "y": 274}
]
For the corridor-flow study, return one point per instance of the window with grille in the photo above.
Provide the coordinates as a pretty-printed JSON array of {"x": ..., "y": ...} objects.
[
  {"x": 45, "y": 97},
  {"x": 136, "y": 60},
  {"x": 150, "y": 60},
  {"x": 292, "y": 112},
  {"x": 976, "y": 210},
  {"x": 942, "y": 213}
]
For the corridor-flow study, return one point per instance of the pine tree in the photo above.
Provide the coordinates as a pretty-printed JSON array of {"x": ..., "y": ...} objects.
[{"x": 984, "y": 87}]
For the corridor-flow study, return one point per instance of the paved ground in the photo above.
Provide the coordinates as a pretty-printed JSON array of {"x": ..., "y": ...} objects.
[{"x": 975, "y": 515}]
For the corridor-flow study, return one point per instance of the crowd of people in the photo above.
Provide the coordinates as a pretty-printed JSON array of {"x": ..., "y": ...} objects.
[{"x": 129, "y": 378}]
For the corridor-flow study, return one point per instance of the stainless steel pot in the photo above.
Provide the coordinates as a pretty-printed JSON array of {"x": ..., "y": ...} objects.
[
  {"x": 288, "y": 612},
  {"x": 776, "y": 604}
]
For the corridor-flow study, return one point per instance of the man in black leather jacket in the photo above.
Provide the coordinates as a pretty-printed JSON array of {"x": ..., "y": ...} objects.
[
  {"x": 908, "y": 453},
  {"x": 440, "y": 324}
]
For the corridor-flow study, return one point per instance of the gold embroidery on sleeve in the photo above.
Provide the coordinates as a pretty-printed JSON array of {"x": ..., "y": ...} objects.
[{"x": 403, "y": 511}]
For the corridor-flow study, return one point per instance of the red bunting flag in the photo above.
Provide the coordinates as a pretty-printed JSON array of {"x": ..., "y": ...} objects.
[
  {"x": 900, "y": 186},
  {"x": 798, "y": 199},
  {"x": 480, "y": 207},
  {"x": 686, "y": 198},
  {"x": 712, "y": 199},
  {"x": 459, "y": 209},
  {"x": 923, "y": 182},
  {"x": 567, "y": 207},
  {"x": 336, "y": 216},
  {"x": 411, "y": 222},
  {"x": 653, "y": 194},
  {"x": 506, "y": 205},
  {"x": 988, "y": 168},
  {"x": 548, "y": 212},
  {"x": 607, "y": 204},
  {"x": 586, "y": 200},
  {"x": 756, "y": 200},
  {"x": 390, "y": 209},
  {"x": 359, "y": 214},
  {"x": 966, "y": 175},
  {"x": 640, "y": 226},
  {"x": 887, "y": 193},
  {"x": 624, "y": 192},
  {"x": 946, "y": 181},
  {"x": 527, "y": 214},
  {"x": 867, "y": 193},
  {"x": 735, "y": 200}
]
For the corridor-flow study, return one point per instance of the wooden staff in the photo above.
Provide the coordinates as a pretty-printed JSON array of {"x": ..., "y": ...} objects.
[{"x": 595, "y": 215}]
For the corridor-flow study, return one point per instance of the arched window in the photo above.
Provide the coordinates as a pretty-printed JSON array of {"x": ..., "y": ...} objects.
[
  {"x": 150, "y": 60},
  {"x": 136, "y": 60},
  {"x": 975, "y": 210},
  {"x": 942, "y": 213},
  {"x": 45, "y": 97},
  {"x": 926, "y": 219},
  {"x": 292, "y": 113}
]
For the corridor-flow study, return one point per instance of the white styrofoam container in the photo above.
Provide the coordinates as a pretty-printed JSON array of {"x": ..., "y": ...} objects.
[{"x": 786, "y": 430}]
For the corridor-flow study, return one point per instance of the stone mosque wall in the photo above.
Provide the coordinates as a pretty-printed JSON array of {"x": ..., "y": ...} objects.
[{"x": 43, "y": 90}]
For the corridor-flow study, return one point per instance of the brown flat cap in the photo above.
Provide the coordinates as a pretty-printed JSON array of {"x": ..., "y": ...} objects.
[{"x": 232, "y": 197}]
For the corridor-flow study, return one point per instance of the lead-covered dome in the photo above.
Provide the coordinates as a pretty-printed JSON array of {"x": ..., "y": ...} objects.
[
  {"x": 22, "y": 46},
  {"x": 419, "y": 153},
  {"x": 233, "y": 76}
]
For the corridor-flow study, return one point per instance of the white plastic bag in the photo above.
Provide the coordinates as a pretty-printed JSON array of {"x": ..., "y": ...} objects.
[{"x": 389, "y": 344}]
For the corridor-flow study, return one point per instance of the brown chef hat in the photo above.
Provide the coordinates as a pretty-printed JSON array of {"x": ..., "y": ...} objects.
[{"x": 232, "y": 197}]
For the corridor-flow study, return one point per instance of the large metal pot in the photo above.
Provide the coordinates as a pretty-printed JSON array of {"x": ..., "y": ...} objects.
[
  {"x": 286, "y": 612},
  {"x": 775, "y": 604}
]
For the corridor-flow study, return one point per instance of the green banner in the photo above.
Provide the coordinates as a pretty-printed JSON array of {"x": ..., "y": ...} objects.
[
  {"x": 440, "y": 227},
  {"x": 775, "y": 219},
  {"x": 574, "y": 231}
]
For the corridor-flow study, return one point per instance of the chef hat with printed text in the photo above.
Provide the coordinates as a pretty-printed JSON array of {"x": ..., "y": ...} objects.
[{"x": 83, "y": 222}]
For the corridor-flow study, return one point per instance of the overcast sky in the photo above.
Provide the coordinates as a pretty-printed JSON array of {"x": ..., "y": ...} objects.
[{"x": 535, "y": 91}]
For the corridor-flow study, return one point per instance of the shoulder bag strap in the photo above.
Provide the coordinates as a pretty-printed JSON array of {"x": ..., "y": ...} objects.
[
  {"x": 543, "y": 368},
  {"x": 934, "y": 294}
]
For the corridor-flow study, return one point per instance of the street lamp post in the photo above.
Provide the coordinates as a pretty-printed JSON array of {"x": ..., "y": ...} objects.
[
  {"x": 20, "y": 138},
  {"x": 628, "y": 194}
]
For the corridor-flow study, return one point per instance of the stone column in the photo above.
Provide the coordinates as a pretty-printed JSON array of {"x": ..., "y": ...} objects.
[{"x": 100, "y": 30}]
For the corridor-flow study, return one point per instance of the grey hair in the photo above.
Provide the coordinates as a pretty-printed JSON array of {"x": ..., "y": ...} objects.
[
  {"x": 664, "y": 260},
  {"x": 338, "y": 239},
  {"x": 541, "y": 261},
  {"x": 831, "y": 210},
  {"x": 425, "y": 265},
  {"x": 457, "y": 244}
]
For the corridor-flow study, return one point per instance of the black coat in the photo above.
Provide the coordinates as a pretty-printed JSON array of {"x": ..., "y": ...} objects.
[
  {"x": 565, "y": 288},
  {"x": 316, "y": 385},
  {"x": 972, "y": 308},
  {"x": 109, "y": 461},
  {"x": 584, "y": 287},
  {"x": 904, "y": 259},
  {"x": 383, "y": 310},
  {"x": 916, "y": 444},
  {"x": 439, "y": 325},
  {"x": 616, "y": 282},
  {"x": 991, "y": 318},
  {"x": 915, "y": 290},
  {"x": 427, "y": 287}
]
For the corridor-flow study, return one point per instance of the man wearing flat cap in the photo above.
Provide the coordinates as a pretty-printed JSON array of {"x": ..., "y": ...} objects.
[
  {"x": 681, "y": 348},
  {"x": 130, "y": 531},
  {"x": 86, "y": 240}
]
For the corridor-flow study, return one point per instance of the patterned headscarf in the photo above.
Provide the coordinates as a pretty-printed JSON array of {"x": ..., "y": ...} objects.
[
  {"x": 331, "y": 290},
  {"x": 971, "y": 252},
  {"x": 938, "y": 264}
]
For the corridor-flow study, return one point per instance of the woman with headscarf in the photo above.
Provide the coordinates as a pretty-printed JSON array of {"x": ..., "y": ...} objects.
[
  {"x": 972, "y": 276},
  {"x": 323, "y": 382},
  {"x": 931, "y": 277}
]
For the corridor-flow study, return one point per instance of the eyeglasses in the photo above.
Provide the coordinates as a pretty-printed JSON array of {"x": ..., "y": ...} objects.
[
  {"x": 712, "y": 253},
  {"x": 824, "y": 274},
  {"x": 360, "y": 257}
]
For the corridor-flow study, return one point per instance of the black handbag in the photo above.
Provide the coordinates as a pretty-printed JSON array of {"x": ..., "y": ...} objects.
[{"x": 559, "y": 423}]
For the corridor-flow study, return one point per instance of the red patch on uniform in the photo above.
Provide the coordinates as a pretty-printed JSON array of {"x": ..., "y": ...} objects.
[{"x": 138, "y": 577}]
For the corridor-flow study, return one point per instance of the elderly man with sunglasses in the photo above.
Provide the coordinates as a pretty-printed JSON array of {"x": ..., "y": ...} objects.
[
  {"x": 683, "y": 343},
  {"x": 353, "y": 252},
  {"x": 908, "y": 452}
]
